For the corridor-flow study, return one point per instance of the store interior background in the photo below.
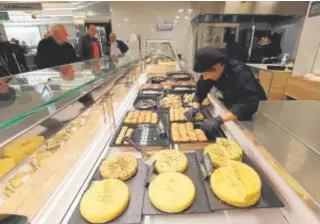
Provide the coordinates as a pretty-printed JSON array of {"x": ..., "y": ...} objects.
[{"x": 129, "y": 19}]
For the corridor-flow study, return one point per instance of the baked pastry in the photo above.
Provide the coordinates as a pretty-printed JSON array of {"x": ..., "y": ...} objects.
[
  {"x": 20, "y": 149},
  {"x": 185, "y": 132},
  {"x": 171, "y": 192},
  {"x": 236, "y": 184},
  {"x": 223, "y": 151},
  {"x": 121, "y": 135},
  {"x": 170, "y": 160},
  {"x": 121, "y": 167},
  {"x": 171, "y": 100},
  {"x": 187, "y": 99},
  {"x": 141, "y": 117},
  {"x": 104, "y": 201},
  {"x": 6, "y": 165}
]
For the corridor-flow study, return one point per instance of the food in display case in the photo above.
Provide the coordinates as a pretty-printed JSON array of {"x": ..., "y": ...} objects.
[
  {"x": 104, "y": 201},
  {"x": 236, "y": 184},
  {"x": 145, "y": 103},
  {"x": 38, "y": 159},
  {"x": 6, "y": 165},
  {"x": 185, "y": 132},
  {"x": 141, "y": 117},
  {"x": 187, "y": 99},
  {"x": 22, "y": 148},
  {"x": 150, "y": 86},
  {"x": 172, "y": 192},
  {"x": 171, "y": 100},
  {"x": 178, "y": 114},
  {"x": 224, "y": 150},
  {"x": 170, "y": 160},
  {"x": 121, "y": 167}
]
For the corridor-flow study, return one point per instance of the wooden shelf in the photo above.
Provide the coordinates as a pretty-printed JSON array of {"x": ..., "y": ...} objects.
[{"x": 303, "y": 89}]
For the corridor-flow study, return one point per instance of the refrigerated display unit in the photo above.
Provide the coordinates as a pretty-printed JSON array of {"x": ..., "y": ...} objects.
[{"x": 48, "y": 180}]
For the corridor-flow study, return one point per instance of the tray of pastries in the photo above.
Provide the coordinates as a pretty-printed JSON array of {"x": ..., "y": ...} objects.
[
  {"x": 164, "y": 194},
  {"x": 135, "y": 117},
  {"x": 178, "y": 115},
  {"x": 150, "y": 86},
  {"x": 231, "y": 180},
  {"x": 143, "y": 135},
  {"x": 187, "y": 100},
  {"x": 186, "y": 133},
  {"x": 171, "y": 100},
  {"x": 115, "y": 193}
]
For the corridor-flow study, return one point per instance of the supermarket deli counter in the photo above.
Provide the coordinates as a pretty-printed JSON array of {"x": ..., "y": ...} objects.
[{"x": 150, "y": 112}]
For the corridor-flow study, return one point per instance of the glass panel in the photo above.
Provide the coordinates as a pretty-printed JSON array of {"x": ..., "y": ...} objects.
[{"x": 46, "y": 91}]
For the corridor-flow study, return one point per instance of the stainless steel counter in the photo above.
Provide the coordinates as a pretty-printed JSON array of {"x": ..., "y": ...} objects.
[{"x": 290, "y": 131}]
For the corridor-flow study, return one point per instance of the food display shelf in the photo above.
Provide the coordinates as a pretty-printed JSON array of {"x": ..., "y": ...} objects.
[
  {"x": 133, "y": 213},
  {"x": 200, "y": 204},
  {"x": 268, "y": 198}
]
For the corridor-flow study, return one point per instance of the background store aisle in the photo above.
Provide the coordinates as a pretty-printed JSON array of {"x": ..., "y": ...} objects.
[{"x": 142, "y": 18}]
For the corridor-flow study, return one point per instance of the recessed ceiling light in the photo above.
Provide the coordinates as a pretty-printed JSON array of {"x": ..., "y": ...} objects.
[
  {"x": 111, "y": 9},
  {"x": 180, "y": 10},
  {"x": 126, "y": 19},
  {"x": 177, "y": 17},
  {"x": 187, "y": 17},
  {"x": 190, "y": 10},
  {"x": 119, "y": 24},
  {"x": 138, "y": 29}
]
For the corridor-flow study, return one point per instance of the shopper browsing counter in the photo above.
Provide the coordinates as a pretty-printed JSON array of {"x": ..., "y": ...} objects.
[{"x": 240, "y": 90}]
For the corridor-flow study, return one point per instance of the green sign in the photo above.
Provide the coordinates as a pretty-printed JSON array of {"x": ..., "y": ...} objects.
[{"x": 4, "y": 16}]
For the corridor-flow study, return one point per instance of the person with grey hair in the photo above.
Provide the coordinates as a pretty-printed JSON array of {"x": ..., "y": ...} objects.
[
  {"x": 117, "y": 47},
  {"x": 55, "y": 50}
]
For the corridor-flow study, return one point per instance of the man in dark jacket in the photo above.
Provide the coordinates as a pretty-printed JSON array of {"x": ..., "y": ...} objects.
[
  {"x": 241, "y": 91},
  {"x": 89, "y": 46},
  {"x": 55, "y": 50},
  {"x": 117, "y": 47}
]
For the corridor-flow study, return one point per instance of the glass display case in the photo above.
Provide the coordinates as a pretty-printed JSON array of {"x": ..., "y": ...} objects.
[
  {"x": 48, "y": 120},
  {"x": 77, "y": 127}
]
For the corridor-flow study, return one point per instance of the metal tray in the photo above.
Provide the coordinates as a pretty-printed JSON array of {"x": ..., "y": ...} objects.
[
  {"x": 201, "y": 203},
  {"x": 186, "y": 89},
  {"x": 133, "y": 213},
  {"x": 142, "y": 97},
  {"x": 268, "y": 198},
  {"x": 162, "y": 115}
]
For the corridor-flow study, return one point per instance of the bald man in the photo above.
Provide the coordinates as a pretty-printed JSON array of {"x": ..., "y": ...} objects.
[
  {"x": 117, "y": 47},
  {"x": 55, "y": 50}
]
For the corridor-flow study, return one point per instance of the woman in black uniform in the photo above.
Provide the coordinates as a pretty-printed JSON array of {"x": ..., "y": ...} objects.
[{"x": 240, "y": 90}]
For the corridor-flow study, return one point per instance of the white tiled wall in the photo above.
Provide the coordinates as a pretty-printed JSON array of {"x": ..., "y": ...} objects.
[{"x": 142, "y": 18}]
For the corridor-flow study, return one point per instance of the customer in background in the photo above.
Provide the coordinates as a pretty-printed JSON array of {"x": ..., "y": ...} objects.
[
  {"x": 235, "y": 50},
  {"x": 25, "y": 47},
  {"x": 19, "y": 52},
  {"x": 117, "y": 47},
  {"x": 271, "y": 49},
  {"x": 46, "y": 35},
  {"x": 55, "y": 50},
  {"x": 89, "y": 47}
]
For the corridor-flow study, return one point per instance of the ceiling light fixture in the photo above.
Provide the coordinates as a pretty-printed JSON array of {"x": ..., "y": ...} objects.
[
  {"x": 180, "y": 10},
  {"x": 177, "y": 17},
  {"x": 187, "y": 17},
  {"x": 126, "y": 19},
  {"x": 119, "y": 24}
]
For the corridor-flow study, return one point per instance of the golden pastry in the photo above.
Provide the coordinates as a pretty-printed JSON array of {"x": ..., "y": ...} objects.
[
  {"x": 236, "y": 184},
  {"x": 6, "y": 165},
  {"x": 171, "y": 192},
  {"x": 121, "y": 167},
  {"x": 121, "y": 135},
  {"x": 223, "y": 151},
  {"x": 170, "y": 160},
  {"x": 104, "y": 201},
  {"x": 201, "y": 135},
  {"x": 22, "y": 148}
]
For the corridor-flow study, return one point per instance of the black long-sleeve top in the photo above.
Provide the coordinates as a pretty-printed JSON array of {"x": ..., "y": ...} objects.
[
  {"x": 50, "y": 54},
  {"x": 241, "y": 90}
]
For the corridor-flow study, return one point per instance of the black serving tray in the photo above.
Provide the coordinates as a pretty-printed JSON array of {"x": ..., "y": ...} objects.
[
  {"x": 268, "y": 198},
  {"x": 133, "y": 213},
  {"x": 15, "y": 219},
  {"x": 143, "y": 97},
  {"x": 201, "y": 203},
  {"x": 186, "y": 89},
  {"x": 197, "y": 125}
]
